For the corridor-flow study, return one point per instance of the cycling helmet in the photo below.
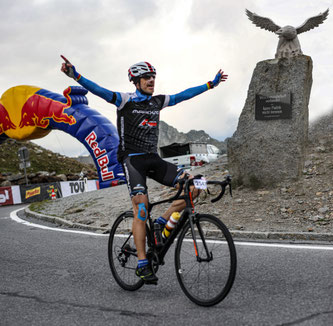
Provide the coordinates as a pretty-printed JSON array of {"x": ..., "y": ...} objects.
[{"x": 139, "y": 69}]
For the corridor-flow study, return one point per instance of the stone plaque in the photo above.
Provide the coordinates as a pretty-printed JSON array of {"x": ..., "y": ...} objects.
[{"x": 275, "y": 106}]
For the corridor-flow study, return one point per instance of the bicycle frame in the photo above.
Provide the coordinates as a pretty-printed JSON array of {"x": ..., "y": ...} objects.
[{"x": 187, "y": 215}]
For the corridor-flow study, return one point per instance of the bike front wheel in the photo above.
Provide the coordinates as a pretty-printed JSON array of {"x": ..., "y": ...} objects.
[
  {"x": 206, "y": 273},
  {"x": 122, "y": 253}
]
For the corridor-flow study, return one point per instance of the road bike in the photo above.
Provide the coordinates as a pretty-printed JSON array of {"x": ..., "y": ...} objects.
[{"x": 205, "y": 254}]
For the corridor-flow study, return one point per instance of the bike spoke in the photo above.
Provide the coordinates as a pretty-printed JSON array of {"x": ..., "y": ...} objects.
[
  {"x": 122, "y": 253},
  {"x": 206, "y": 280}
]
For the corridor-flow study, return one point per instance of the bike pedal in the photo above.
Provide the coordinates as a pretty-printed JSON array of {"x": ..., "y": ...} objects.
[{"x": 150, "y": 282}]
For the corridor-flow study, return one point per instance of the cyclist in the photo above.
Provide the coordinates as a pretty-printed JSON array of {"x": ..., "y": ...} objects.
[{"x": 138, "y": 116}]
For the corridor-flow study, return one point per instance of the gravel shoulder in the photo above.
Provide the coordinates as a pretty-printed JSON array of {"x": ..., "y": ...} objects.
[{"x": 301, "y": 210}]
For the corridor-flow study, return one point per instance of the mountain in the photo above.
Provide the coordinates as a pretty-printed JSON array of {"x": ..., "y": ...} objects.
[{"x": 169, "y": 135}]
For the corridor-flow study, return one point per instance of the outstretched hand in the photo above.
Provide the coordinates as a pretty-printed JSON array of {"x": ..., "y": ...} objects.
[
  {"x": 220, "y": 77},
  {"x": 68, "y": 68}
]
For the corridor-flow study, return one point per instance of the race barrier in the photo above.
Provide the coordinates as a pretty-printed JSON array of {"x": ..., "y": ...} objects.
[{"x": 37, "y": 192}]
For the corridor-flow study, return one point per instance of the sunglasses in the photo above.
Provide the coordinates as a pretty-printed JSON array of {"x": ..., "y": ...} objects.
[{"x": 148, "y": 76}]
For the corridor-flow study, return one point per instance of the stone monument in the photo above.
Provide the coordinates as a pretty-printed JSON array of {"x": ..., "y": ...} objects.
[{"x": 269, "y": 145}]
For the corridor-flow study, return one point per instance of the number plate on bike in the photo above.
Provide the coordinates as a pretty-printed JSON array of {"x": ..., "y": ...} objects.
[{"x": 200, "y": 183}]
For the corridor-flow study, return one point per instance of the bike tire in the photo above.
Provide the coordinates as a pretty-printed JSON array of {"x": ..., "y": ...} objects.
[
  {"x": 123, "y": 263},
  {"x": 206, "y": 283}
]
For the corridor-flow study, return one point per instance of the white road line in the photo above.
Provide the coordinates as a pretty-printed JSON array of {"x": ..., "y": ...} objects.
[
  {"x": 280, "y": 245},
  {"x": 14, "y": 217}
]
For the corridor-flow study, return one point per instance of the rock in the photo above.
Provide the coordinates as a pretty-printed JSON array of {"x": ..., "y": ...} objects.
[
  {"x": 5, "y": 183},
  {"x": 264, "y": 152},
  {"x": 62, "y": 177},
  {"x": 43, "y": 173},
  {"x": 307, "y": 163},
  {"x": 316, "y": 218},
  {"x": 264, "y": 192},
  {"x": 323, "y": 210},
  {"x": 15, "y": 177},
  {"x": 321, "y": 149}
]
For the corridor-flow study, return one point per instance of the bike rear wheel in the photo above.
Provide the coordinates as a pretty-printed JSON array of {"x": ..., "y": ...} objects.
[
  {"x": 122, "y": 253},
  {"x": 206, "y": 282}
]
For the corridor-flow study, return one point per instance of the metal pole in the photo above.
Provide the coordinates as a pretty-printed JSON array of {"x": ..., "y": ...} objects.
[{"x": 25, "y": 172}]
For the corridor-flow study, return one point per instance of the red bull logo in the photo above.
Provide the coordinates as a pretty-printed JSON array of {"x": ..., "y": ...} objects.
[
  {"x": 5, "y": 122},
  {"x": 25, "y": 111},
  {"x": 38, "y": 110}
]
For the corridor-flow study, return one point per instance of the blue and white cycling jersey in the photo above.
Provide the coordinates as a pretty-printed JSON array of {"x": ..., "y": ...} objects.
[{"x": 138, "y": 115}]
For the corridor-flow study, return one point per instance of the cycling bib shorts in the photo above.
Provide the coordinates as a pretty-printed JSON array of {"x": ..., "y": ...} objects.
[{"x": 138, "y": 167}]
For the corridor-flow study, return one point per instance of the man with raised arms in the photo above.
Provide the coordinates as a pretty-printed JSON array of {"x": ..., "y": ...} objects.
[{"x": 138, "y": 116}]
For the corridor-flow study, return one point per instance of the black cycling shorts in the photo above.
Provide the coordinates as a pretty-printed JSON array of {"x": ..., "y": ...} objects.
[{"x": 138, "y": 167}]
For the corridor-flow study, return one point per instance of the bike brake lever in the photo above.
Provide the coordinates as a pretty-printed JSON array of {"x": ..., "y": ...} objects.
[{"x": 223, "y": 185}]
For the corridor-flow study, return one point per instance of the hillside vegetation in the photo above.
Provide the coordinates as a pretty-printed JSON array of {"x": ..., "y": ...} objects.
[{"x": 41, "y": 159}]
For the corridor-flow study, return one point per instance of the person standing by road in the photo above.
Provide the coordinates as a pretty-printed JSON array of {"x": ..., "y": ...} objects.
[{"x": 138, "y": 116}]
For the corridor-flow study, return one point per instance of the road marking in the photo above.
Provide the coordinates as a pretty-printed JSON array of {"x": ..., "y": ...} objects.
[
  {"x": 280, "y": 245},
  {"x": 14, "y": 217},
  {"x": 272, "y": 245}
]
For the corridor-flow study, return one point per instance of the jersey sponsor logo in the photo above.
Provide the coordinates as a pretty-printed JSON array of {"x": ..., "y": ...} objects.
[
  {"x": 145, "y": 112},
  {"x": 147, "y": 123}
]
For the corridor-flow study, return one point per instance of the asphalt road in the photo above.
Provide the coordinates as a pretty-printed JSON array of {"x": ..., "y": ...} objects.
[{"x": 60, "y": 278}]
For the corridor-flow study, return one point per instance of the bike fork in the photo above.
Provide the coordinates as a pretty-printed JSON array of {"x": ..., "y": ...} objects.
[{"x": 209, "y": 255}]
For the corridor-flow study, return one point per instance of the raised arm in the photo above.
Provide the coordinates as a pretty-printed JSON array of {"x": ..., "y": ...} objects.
[
  {"x": 194, "y": 91},
  {"x": 92, "y": 87}
]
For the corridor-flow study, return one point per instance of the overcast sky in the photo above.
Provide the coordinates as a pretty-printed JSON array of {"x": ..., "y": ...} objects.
[{"x": 186, "y": 40}]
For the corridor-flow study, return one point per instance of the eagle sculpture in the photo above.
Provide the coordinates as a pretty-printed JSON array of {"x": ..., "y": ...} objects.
[{"x": 289, "y": 45}]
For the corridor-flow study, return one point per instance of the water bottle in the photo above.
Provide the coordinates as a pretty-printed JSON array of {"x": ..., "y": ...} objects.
[{"x": 173, "y": 220}]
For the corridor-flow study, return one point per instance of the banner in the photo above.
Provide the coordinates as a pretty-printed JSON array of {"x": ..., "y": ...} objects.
[
  {"x": 6, "y": 197},
  {"x": 69, "y": 188},
  {"x": 39, "y": 192}
]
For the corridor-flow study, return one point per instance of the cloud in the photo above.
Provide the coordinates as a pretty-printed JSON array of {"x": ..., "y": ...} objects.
[{"x": 186, "y": 40}]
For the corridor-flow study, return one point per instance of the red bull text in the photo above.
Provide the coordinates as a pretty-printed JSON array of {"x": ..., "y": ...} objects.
[{"x": 100, "y": 155}]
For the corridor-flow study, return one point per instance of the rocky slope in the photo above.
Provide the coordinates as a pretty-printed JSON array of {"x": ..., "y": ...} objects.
[
  {"x": 46, "y": 166},
  {"x": 302, "y": 206}
]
